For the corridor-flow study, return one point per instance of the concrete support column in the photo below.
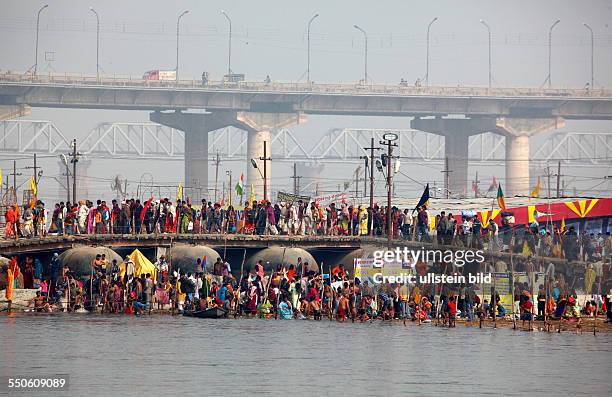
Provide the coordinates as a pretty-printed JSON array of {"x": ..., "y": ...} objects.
[
  {"x": 196, "y": 127},
  {"x": 8, "y": 112},
  {"x": 456, "y": 151},
  {"x": 196, "y": 163},
  {"x": 517, "y": 165},
  {"x": 259, "y": 127},
  {"x": 517, "y": 132},
  {"x": 255, "y": 146},
  {"x": 456, "y": 134}
]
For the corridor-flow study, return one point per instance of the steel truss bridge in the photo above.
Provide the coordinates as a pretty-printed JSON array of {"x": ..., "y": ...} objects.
[{"x": 150, "y": 141}]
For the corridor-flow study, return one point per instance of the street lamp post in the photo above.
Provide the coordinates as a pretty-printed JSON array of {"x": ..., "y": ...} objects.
[
  {"x": 592, "y": 54},
  {"x": 308, "y": 39},
  {"x": 178, "y": 20},
  {"x": 229, "y": 173},
  {"x": 389, "y": 141},
  {"x": 427, "y": 67},
  {"x": 264, "y": 176},
  {"x": 550, "y": 50},
  {"x": 97, "y": 43},
  {"x": 229, "y": 48},
  {"x": 486, "y": 25},
  {"x": 65, "y": 161},
  {"x": 365, "y": 69},
  {"x": 37, "y": 29}
]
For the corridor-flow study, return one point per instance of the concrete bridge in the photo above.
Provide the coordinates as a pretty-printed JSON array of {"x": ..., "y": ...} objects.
[
  {"x": 60, "y": 243},
  {"x": 336, "y": 246},
  {"x": 453, "y": 112}
]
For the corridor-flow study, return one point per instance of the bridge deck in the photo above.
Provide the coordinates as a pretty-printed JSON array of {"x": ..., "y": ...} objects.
[
  {"x": 78, "y": 91},
  {"x": 50, "y": 243}
]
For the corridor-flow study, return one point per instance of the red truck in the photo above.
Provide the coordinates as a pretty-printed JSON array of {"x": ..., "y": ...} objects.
[{"x": 163, "y": 75}]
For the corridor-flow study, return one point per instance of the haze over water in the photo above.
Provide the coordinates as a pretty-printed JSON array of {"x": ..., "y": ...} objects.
[{"x": 108, "y": 355}]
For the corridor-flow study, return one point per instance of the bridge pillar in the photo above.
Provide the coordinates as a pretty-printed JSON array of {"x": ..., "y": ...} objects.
[
  {"x": 8, "y": 112},
  {"x": 196, "y": 127},
  {"x": 456, "y": 134},
  {"x": 517, "y": 133},
  {"x": 259, "y": 127}
]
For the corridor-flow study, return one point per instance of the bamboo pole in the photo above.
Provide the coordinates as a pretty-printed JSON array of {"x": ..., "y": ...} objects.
[
  {"x": 512, "y": 282},
  {"x": 597, "y": 306},
  {"x": 322, "y": 291},
  {"x": 239, "y": 284},
  {"x": 354, "y": 294},
  {"x": 176, "y": 292}
]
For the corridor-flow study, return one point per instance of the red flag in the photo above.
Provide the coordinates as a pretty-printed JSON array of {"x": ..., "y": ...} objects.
[
  {"x": 493, "y": 185},
  {"x": 145, "y": 208}
]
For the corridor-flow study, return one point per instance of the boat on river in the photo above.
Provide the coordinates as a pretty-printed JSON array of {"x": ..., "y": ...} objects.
[{"x": 213, "y": 312}]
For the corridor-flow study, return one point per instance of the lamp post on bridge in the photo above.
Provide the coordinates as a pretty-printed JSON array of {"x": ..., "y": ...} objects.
[
  {"x": 229, "y": 48},
  {"x": 550, "y": 50},
  {"x": 486, "y": 25},
  {"x": 427, "y": 66},
  {"x": 365, "y": 36},
  {"x": 178, "y": 21},
  {"x": 586, "y": 25},
  {"x": 308, "y": 39},
  {"x": 37, "y": 29},
  {"x": 97, "y": 43}
]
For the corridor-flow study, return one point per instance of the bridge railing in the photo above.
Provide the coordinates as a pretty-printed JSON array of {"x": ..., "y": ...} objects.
[{"x": 401, "y": 89}]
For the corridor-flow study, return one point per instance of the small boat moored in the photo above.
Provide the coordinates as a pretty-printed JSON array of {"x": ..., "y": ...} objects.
[{"x": 213, "y": 312}]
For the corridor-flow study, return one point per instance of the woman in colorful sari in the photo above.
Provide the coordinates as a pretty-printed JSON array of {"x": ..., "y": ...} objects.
[
  {"x": 91, "y": 215},
  {"x": 344, "y": 219},
  {"x": 363, "y": 221},
  {"x": 231, "y": 220},
  {"x": 170, "y": 218},
  {"x": 253, "y": 298},
  {"x": 10, "y": 217},
  {"x": 161, "y": 296}
]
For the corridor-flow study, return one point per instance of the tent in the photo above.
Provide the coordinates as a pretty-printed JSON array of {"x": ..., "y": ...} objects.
[{"x": 141, "y": 265}]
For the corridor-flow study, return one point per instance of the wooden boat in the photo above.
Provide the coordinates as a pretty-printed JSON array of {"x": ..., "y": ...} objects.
[{"x": 213, "y": 312}]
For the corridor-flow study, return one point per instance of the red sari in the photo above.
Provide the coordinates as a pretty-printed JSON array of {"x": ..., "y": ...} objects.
[{"x": 10, "y": 217}]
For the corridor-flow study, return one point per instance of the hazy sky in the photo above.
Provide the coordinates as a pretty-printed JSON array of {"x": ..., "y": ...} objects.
[{"x": 270, "y": 39}]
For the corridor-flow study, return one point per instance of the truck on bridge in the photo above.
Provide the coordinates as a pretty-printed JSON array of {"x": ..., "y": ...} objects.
[{"x": 163, "y": 75}]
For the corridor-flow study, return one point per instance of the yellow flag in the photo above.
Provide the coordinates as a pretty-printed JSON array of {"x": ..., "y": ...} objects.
[
  {"x": 562, "y": 224},
  {"x": 33, "y": 187},
  {"x": 535, "y": 193},
  {"x": 252, "y": 198},
  {"x": 0, "y": 176},
  {"x": 179, "y": 192},
  {"x": 229, "y": 198}
]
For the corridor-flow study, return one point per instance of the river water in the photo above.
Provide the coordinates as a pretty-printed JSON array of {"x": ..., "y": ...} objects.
[{"x": 165, "y": 355}]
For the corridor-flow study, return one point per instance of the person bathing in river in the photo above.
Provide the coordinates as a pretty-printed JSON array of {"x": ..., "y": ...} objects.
[
  {"x": 39, "y": 303},
  {"x": 285, "y": 310},
  {"x": 343, "y": 307},
  {"x": 452, "y": 311},
  {"x": 313, "y": 301}
]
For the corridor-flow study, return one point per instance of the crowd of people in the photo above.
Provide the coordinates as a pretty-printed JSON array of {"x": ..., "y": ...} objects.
[
  {"x": 133, "y": 216},
  {"x": 299, "y": 290}
]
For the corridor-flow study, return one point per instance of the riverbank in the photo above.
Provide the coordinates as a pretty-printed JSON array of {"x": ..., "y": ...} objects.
[{"x": 578, "y": 326}]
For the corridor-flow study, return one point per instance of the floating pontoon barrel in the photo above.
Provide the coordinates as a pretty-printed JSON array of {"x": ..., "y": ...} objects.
[
  {"x": 185, "y": 257},
  {"x": 274, "y": 256},
  {"x": 79, "y": 259},
  {"x": 361, "y": 253}
]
